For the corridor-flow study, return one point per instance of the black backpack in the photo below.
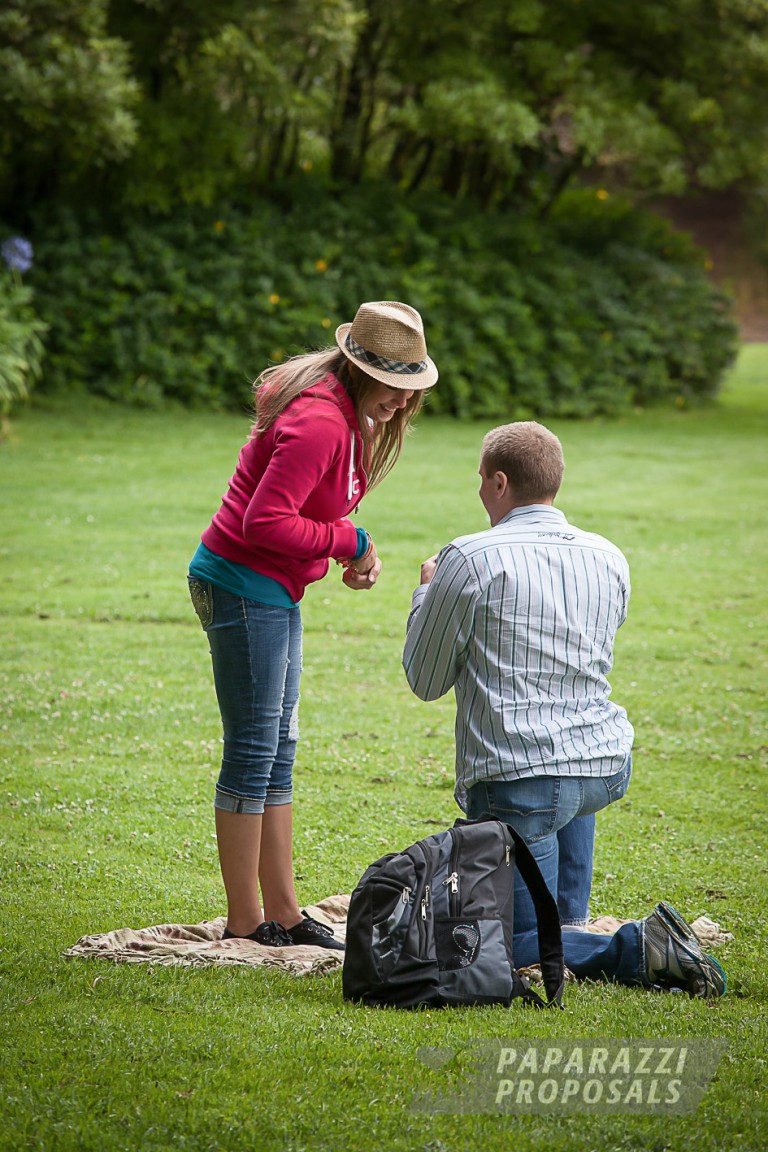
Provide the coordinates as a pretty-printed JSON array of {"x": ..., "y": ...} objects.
[{"x": 433, "y": 924}]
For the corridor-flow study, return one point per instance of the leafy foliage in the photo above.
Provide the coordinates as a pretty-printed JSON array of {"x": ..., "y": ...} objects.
[
  {"x": 21, "y": 341},
  {"x": 67, "y": 97},
  {"x": 161, "y": 102},
  {"x": 323, "y": 119},
  {"x": 599, "y": 309}
]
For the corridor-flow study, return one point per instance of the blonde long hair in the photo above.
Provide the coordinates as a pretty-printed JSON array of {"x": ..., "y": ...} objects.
[{"x": 277, "y": 386}]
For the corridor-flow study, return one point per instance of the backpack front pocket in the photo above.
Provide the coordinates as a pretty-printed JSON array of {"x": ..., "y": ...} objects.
[
  {"x": 392, "y": 906},
  {"x": 472, "y": 960}
]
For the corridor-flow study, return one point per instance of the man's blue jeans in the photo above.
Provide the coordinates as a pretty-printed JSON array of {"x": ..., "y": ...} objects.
[
  {"x": 620, "y": 957},
  {"x": 555, "y": 815},
  {"x": 575, "y": 853},
  {"x": 557, "y": 821}
]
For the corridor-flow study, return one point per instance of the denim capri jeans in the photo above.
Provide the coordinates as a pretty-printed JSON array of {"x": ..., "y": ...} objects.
[{"x": 256, "y": 655}]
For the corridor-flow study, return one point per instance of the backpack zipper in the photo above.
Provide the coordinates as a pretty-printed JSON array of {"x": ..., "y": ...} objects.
[
  {"x": 453, "y": 878},
  {"x": 426, "y": 898}
]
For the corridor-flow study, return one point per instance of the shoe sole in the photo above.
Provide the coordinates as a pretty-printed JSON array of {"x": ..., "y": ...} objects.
[
  {"x": 681, "y": 931},
  {"x": 325, "y": 947},
  {"x": 336, "y": 946}
]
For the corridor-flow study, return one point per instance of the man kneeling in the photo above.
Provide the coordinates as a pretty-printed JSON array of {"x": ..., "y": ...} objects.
[{"x": 520, "y": 620}]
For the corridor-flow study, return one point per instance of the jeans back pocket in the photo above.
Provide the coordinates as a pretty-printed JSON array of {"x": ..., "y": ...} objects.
[
  {"x": 202, "y": 600},
  {"x": 618, "y": 784}
]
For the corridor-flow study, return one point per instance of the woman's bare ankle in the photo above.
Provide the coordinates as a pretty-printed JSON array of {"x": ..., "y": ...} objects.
[{"x": 287, "y": 914}]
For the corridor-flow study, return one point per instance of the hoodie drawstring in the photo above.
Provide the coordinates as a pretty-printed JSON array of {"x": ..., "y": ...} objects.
[{"x": 351, "y": 489}]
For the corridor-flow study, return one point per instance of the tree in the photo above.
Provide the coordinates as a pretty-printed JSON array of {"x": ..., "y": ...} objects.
[
  {"x": 231, "y": 92},
  {"x": 511, "y": 102},
  {"x": 67, "y": 96},
  {"x": 160, "y": 101}
]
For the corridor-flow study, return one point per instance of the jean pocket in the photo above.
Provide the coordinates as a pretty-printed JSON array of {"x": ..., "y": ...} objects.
[
  {"x": 617, "y": 785},
  {"x": 202, "y": 600},
  {"x": 529, "y": 805}
]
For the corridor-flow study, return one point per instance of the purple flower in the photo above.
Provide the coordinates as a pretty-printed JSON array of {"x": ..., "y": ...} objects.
[{"x": 17, "y": 253}]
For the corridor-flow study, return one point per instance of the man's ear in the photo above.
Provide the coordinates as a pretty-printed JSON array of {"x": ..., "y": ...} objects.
[{"x": 500, "y": 485}]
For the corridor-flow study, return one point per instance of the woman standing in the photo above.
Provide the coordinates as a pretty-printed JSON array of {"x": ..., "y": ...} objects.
[{"x": 329, "y": 426}]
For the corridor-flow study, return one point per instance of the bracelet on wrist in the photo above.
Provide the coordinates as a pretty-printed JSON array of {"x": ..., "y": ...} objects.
[{"x": 350, "y": 563}]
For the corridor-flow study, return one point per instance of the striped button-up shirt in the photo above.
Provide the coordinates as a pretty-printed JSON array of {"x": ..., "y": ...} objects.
[{"x": 520, "y": 620}]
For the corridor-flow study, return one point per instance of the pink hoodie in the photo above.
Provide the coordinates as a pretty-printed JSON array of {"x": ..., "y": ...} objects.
[{"x": 286, "y": 509}]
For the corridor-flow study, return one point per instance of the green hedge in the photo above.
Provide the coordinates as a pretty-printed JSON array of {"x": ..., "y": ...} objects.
[
  {"x": 21, "y": 341},
  {"x": 596, "y": 310}
]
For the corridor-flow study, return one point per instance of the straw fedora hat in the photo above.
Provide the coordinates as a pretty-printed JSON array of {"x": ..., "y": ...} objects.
[{"x": 386, "y": 340}]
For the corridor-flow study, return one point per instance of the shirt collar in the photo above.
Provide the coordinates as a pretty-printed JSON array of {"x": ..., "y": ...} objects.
[{"x": 534, "y": 514}]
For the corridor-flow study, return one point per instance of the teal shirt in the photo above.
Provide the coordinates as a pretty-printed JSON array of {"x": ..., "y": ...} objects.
[
  {"x": 241, "y": 580},
  {"x": 238, "y": 579}
]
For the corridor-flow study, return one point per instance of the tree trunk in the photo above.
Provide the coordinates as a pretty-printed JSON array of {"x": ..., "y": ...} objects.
[
  {"x": 567, "y": 171},
  {"x": 420, "y": 173},
  {"x": 453, "y": 172},
  {"x": 350, "y": 135}
]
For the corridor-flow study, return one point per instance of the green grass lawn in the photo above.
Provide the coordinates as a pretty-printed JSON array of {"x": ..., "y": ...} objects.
[{"x": 109, "y": 745}]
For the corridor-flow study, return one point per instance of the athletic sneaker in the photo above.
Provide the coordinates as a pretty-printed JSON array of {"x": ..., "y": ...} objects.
[
  {"x": 311, "y": 931},
  {"x": 674, "y": 958}
]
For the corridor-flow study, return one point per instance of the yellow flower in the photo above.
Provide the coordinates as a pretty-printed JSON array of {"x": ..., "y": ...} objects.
[
  {"x": 274, "y": 298},
  {"x": 321, "y": 265},
  {"x": 602, "y": 194},
  {"x": 680, "y": 401},
  {"x": 219, "y": 226},
  {"x": 708, "y": 265},
  {"x": 306, "y": 165},
  {"x": 325, "y": 322}
]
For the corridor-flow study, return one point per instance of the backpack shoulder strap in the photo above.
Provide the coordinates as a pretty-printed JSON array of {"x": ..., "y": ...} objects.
[{"x": 547, "y": 920}]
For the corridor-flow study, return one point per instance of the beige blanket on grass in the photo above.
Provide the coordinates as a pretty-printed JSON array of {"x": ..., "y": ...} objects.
[{"x": 196, "y": 945}]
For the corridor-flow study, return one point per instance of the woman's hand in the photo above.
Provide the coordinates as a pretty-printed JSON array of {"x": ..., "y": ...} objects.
[
  {"x": 362, "y": 581},
  {"x": 362, "y": 574},
  {"x": 366, "y": 563}
]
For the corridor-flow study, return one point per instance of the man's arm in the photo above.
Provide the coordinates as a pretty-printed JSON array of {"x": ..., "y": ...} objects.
[{"x": 440, "y": 625}]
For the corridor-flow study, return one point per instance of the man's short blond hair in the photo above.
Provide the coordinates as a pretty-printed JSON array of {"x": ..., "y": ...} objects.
[{"x": 530, "y": 456}]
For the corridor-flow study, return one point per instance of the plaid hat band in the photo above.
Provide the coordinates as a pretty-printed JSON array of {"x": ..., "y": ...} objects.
[
  {"x": 386, "y": 341},
  {"x": 401, "y": 367}
]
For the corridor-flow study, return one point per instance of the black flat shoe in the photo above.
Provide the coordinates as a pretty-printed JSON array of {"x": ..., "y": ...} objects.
[
  {"x": 270, "y": 934},
  {"x": 311, "y": 931}
]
